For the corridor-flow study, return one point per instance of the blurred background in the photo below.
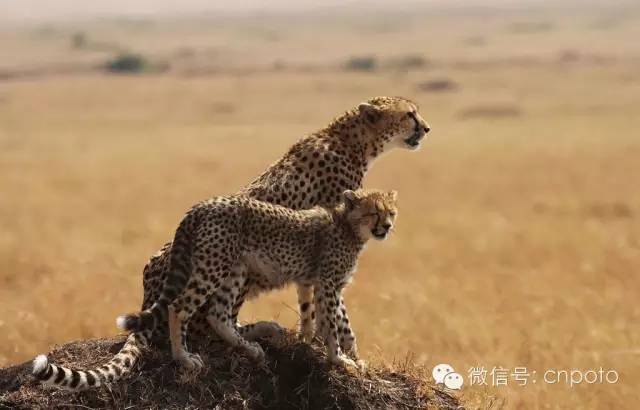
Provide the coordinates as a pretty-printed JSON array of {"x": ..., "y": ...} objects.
[{"x": 518, "y": 239}]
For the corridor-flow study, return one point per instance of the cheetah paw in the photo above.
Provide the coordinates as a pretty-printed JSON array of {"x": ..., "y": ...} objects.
[
  {"x": 345, "y": 362},
  {"x": 348, "y": 346},
  {"x": 191, "y": 362},
  {"x": 306, "y": 336},
  {"x": 255, "y": 352}
]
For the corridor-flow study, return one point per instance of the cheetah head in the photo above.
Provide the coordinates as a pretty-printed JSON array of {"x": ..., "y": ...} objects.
[
  {"x": 396, "y": 121},
  {"x": 371, "y": 213}
]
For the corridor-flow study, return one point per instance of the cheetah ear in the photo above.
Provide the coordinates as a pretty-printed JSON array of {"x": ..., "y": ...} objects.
[
  {"x": 350, "y": 198},
  {"x": 370, "y": 112},
  {"x": 393, "y": 195},
  {"x": 365, "y": 106}
]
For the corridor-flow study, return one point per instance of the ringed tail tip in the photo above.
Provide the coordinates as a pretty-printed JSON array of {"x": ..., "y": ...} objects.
[
  {"x": 121, "y": 322},
  {"x": 135, "y": 322},
  {"x": 40, "y": 364}
]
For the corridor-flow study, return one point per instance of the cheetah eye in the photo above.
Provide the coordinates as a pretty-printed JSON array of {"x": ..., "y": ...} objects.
[{"x": 392, "y": 213}]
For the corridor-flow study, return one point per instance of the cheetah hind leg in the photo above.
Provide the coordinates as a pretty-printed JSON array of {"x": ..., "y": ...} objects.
[{"x": 191, "y": 362}]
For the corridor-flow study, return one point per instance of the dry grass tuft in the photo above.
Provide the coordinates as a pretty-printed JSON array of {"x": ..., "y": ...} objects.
[{"x": 296, "y": 376}]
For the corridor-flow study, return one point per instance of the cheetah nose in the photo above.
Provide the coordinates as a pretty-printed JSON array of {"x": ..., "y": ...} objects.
[
  {"x": 427, "y": 129},
  {"x": 386, "y": 226}
]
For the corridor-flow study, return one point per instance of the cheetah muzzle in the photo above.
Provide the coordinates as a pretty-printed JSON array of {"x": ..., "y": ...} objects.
[{"x": 419, "y": 132}]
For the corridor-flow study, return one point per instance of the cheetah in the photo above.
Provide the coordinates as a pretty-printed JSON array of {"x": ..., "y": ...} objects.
[
  {"x": 314, "y": 171},
  {"x": 237, "y": 247}
]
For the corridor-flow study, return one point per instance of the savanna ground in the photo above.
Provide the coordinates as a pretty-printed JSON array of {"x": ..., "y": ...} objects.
[{"x": 518, "y": 238}]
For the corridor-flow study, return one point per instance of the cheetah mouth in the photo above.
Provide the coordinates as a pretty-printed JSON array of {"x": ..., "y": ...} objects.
[
  {"x": 414, "y": 140},
  {"x": 380, "y": 235}
]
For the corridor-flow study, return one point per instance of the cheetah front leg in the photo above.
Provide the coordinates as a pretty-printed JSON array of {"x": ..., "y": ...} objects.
[
  {"x": 347, "y": 338},
  {"x": 222, "y": 315},
  {"x": 328, "y": 304},
  {"x": 307, "y": 311},
  {"x": 252, "y": 331}
]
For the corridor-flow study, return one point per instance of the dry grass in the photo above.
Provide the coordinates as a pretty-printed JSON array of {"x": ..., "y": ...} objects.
[
  {"x": 518, "y": 237},
  {"x": 295, "y": 376}
]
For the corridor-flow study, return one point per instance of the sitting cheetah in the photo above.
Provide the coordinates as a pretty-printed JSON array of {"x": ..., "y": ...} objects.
[
  {"x": 315, "y": 171},
  {"x": 237, "y": 247}
]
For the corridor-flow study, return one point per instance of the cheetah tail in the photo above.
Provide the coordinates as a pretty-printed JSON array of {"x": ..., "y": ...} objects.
[
  {"x": 146, "y": 320},
  {"x": 176, "y": 280},
  {"x": 119, "y": 366}
]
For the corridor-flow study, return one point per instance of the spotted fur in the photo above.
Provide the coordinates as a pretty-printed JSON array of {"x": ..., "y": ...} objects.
[
  {"x": 241, "y": 247},
  {"x": 315, "y": 171}
]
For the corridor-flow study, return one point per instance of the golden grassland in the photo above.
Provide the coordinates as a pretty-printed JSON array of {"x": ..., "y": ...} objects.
[{"x": 518, "y": 238}]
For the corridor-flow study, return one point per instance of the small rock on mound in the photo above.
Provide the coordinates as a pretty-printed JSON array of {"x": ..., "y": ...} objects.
[{"x": 295, "y": 376}]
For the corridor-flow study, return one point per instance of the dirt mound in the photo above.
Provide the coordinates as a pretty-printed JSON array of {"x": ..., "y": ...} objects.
[{"x": 295, "y": 376}]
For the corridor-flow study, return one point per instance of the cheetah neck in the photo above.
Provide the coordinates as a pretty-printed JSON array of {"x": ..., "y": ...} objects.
[
  {"x": 347, "y": 228},
  {"x": 362, "y": 142}
]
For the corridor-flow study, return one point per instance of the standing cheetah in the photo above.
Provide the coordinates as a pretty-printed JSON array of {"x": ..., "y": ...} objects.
[
  {"x": 237, "y": 247},
  {"x": 315, "y": 171}
]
